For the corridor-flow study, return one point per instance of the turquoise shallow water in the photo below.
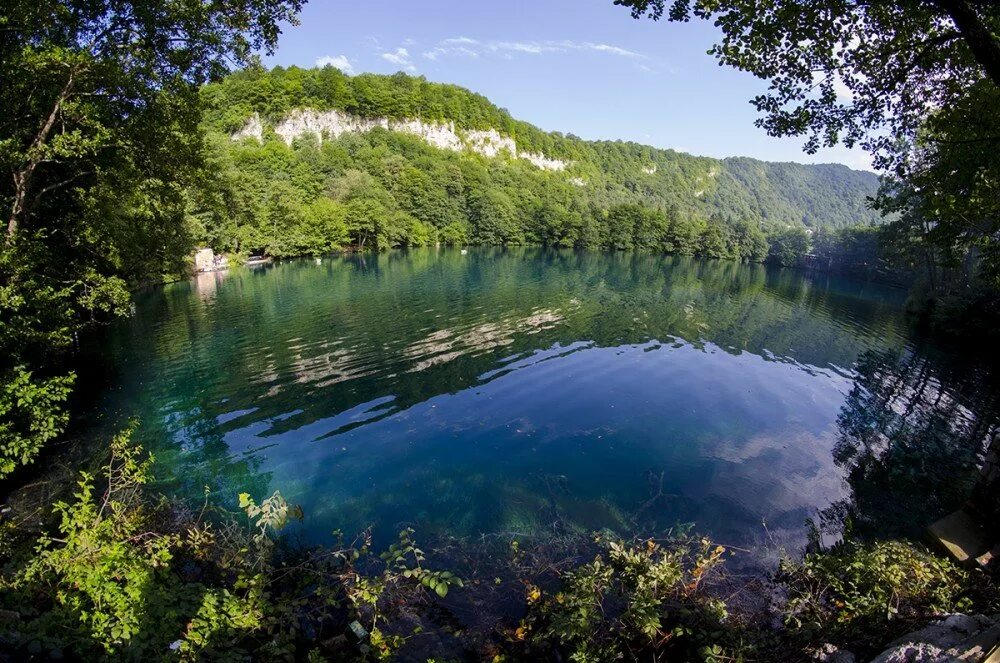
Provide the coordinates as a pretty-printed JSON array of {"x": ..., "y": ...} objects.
[{"x": 510, "y": 390}]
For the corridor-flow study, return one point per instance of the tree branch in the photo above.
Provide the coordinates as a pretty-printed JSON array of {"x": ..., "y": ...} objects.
[
  {"x": 985, "y": 45},
  {"x": 23, "y": 177}
]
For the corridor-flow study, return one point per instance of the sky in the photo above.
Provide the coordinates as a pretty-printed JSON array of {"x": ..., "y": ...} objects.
[{"x": 577, "y": 66}]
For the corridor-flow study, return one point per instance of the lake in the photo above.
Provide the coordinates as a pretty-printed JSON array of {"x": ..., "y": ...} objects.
[{"x": 526, "y": 390}]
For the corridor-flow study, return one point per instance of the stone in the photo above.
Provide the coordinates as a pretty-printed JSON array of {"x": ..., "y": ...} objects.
[
  {"x": 204, "y": 260},
  {"x": 829, "y": 653},
  {"x": 959, "y": 536},
  {"x": 358, "y": 631},
  {"x": 955, "y": 639},
  {"x": 444, "y": 135}
]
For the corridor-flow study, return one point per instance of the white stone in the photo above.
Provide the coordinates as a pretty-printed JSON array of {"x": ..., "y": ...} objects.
[
  {"x": 543, "y": 161},
  {"x": 332, "y": 124},
  {"x": 253, "y": 129},
  {"x": 947, "y": 640}
]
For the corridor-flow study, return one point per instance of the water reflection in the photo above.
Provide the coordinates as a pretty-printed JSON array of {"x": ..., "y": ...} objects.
[
  {"x": 519, "y": 390},
  {"x": 913, "y": 434}
]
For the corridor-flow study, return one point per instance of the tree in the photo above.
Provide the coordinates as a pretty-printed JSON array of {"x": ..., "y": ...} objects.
[
  {"x": 713, "y": 241},
  {"x": 493, "y": 218},
  {"x": 950, "y": 193},
  {"x": 843, "y": 70},
  {"x": 788, "y": 246},
  {"x": 365, "y": 219},
  {"x": 914, "y": 82},
  {"x": 747, "y": 241},
  {"x": 98, "y": 138}
]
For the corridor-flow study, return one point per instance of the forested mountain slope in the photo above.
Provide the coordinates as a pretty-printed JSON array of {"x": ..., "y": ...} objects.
[{"x": 312, "y": 159}]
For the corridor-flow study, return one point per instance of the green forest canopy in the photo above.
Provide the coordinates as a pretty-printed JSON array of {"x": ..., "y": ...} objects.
[{"x": 386, "y": 189}]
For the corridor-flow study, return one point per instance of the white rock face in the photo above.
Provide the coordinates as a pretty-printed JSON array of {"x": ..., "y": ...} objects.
[
  {"x": 542, "y": 161},
  {"x": 332, "y": 124},
  {"x": 490, "y": 143},
  {"x": 578, "y": 181},
  {"x": 253, "y": 129},
  {"x": 650, "y": 169}
]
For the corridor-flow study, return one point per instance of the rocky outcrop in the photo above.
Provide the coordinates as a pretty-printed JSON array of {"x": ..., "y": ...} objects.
[
  {"x": 332, "y": 124},
  {"x": 952, "y": 639},
  {"x": 254, "y": 128}
]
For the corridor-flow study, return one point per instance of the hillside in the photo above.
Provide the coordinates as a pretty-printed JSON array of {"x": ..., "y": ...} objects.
[{"x": 312, "y": 159}]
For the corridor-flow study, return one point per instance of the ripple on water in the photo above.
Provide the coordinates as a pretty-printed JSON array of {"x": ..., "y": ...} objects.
[{"x": 503, "y": 389}]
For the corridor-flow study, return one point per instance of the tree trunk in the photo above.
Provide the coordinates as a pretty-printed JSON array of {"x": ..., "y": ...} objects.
[
  {"x": 23, "y": 177},
  {"x": 985, "y": 45}
]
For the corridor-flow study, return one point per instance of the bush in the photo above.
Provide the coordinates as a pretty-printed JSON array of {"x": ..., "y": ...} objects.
[
  {"x": 630, "y": 599},
  {"x": 131, "y": 575},
  {"x": 854, "y": 590},
  {"x": 107, "y": 585}
]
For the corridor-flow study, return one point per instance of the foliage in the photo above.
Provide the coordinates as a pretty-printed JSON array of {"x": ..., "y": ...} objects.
[
  {"x": 915, "y": 84},
  {"x": 131, "y": 575},
  {"x": 99, "y": 142},
  {"x": 30, "y": 415},
  {"x": 855, "y": 589},
  {"x": 948, "y": 204},
  {"x": 108, "y": 583},
  {"x": 383, "y": 189},
  {"x": 862, "y": 73},
  {"x": 629, "y": 599},
  {"x": 787, "y": 246}
]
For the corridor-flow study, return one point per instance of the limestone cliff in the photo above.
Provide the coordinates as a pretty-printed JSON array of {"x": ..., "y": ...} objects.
[{"x": 332, "y": 124}]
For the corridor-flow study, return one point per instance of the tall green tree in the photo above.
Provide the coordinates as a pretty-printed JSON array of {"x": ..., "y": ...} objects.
[
  {"x": 914, "y": 82},
  {"x": 98, "y": 139},
  {"x": 841, "y": 70}
]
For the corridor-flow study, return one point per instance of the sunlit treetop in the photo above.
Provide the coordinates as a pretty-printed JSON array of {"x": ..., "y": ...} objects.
[{"x": 864, "y": 72}]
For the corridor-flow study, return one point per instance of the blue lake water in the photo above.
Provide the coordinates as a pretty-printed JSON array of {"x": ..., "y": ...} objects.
[{"x": 518, "y": 390}]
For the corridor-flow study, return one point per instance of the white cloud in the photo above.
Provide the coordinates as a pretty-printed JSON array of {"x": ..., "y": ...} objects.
[
  {"x": 339, "y": 61},
  {"x": 450, "y": 51},
  {"x": 467, "y": 47},
  {"x": 613, "y": 50},
  {"x": 401, "y": 58},
  {"x": 843, "y": 93},
  {"x": 533, "y": 48}
]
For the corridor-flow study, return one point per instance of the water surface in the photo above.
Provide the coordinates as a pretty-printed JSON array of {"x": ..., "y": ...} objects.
[{"x": 529, "y": 390}]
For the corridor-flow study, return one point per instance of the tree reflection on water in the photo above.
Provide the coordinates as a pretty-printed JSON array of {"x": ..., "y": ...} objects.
[{"x": 913, "y": 436}]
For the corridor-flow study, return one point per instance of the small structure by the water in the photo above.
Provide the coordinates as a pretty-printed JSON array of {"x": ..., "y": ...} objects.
[
  {"x": 205, "y": 260},
  {"x": 253, "y": 261}
]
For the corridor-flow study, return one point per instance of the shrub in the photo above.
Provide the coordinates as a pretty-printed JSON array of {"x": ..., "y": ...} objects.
[
  {"x": 630, "y": 599},
  {"x": 107, "y": 585},
  {"x": 855, "y": 589}
]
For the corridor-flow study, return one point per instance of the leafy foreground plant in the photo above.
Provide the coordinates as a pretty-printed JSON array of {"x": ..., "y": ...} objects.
[
  {"x": 860, "y": 594},
  {"x": 129, "y": 577},
  {"x": 132, "y": 576},
  {"x": 661, "y": 602},
  {"x": 630, "y": 602}
]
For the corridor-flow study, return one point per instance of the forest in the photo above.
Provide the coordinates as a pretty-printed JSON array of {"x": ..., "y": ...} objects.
[{"x": 383, "y": 189}]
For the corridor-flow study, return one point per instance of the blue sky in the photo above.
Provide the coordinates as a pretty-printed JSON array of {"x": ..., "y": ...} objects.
[{"x": 578, "y": 66}]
